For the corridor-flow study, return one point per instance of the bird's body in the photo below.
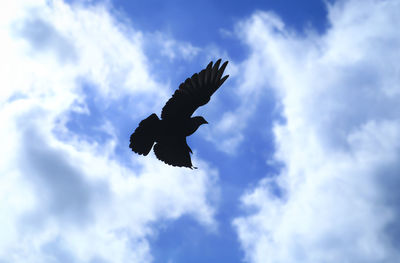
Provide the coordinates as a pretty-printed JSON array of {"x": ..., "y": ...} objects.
[
  {"x": 184, "y": 127},
  {"x": 176, "y": 122}
]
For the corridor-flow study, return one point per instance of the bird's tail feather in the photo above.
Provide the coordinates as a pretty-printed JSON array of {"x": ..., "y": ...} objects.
[{"x": 142, "y": 139}]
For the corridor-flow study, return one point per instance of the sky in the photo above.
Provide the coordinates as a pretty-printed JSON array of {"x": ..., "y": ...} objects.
[{"x": 299, "y": 161}]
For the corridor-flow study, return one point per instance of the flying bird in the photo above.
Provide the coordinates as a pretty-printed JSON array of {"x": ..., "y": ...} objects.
[{"x": 177, "y": 122}]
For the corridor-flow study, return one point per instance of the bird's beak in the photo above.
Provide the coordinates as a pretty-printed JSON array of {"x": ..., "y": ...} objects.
[{"x": 205, "y": 122}]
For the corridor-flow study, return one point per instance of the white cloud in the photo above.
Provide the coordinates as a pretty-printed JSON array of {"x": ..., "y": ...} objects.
[
  {"x": 63, "y": 198},
  {"x": 340, "y": 143},
  {"x": 246, "y": 88},
  {"x": 172, "y": 48}
]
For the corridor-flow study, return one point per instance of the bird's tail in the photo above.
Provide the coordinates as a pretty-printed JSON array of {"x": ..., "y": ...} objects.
[{"x": 142, "y": 139}]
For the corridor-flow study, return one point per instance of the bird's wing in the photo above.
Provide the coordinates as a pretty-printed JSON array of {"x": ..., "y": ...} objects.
[
  {"x": 174, "y": 151},
  {"x": 194, "y": 92}
]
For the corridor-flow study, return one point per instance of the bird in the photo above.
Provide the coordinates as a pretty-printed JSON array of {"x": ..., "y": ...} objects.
[{"x": 169, "y": 133}]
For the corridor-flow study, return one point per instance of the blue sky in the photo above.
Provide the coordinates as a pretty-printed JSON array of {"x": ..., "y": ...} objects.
[
  {"x": 201, "y": 23},
  {"x": 299, "y": 161}
]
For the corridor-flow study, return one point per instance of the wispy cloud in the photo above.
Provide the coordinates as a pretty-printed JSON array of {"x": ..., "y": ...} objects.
[
  {"x": 340, "y": 142},
  {"x": 65, "y": 198}
]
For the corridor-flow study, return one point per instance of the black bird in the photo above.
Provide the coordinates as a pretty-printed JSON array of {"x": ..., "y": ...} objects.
[{"x": 176, "y": 122}]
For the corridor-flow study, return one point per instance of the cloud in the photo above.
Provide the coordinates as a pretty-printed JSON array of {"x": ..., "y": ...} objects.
[
  {"x": 172, "y": 48},
  {"x": 336, "y": 198},
  {"x": 245, "y": 91},
  {"x": 66, "y": 196}
]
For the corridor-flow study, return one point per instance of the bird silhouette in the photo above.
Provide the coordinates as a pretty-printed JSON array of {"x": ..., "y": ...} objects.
[{"x": 176, "y": 122}]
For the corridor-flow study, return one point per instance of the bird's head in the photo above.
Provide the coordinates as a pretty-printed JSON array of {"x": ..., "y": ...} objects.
[
  {"x": 194, "y": 124},
  {"x": 199, "y": 120}
]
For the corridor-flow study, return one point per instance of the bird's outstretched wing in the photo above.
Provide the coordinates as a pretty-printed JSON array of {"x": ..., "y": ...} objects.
[
  {"x": 174, "y": 151},
  {"x": 194, "y": 92}
]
